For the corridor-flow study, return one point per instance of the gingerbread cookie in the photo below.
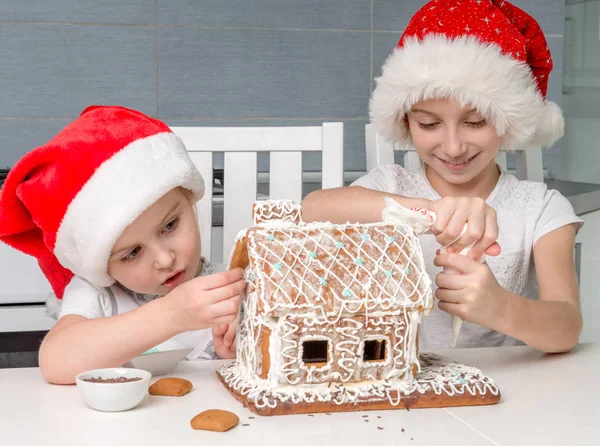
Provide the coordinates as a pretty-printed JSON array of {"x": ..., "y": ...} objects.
[
  {"x": 215, "y": 420},
  {"x": 170, "y": 387}
]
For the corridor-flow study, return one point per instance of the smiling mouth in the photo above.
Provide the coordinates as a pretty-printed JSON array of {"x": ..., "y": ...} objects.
[{"x": 463, "y": 163}]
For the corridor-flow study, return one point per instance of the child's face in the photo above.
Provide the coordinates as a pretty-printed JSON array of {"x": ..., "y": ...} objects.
[
  {"x": 456, "y": 142},
  {"x": 160, "y": 249}
]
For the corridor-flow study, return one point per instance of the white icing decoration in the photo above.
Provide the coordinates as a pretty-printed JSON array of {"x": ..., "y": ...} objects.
[
  {"x": 438, "y": 374},
  {"x": 293, "y": 304}
]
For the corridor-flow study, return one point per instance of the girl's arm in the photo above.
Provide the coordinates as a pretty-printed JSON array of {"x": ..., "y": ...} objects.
[
  {"x": 356, "y": 204},
  {"x": 353, "y": 204},
  {"x": 76, "y": 344},
  {"x": 552, "y": 323}
]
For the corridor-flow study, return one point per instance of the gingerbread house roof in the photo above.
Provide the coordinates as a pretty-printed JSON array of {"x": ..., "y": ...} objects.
[{"x": 330, "y": 268}]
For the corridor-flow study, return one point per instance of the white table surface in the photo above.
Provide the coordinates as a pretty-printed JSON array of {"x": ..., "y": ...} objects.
[{"x": 546, "y": 400}]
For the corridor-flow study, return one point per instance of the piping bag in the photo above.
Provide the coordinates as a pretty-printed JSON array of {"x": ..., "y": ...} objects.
[{"x": 421, "y": 220}]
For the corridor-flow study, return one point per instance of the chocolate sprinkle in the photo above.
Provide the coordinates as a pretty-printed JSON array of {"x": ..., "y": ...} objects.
[{"x": 120, "y": 379}]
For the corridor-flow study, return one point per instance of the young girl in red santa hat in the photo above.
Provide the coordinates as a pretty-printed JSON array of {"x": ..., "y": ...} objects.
[
  {"x": 467, "y": 78},
  {"x": 107, "y": 208}
]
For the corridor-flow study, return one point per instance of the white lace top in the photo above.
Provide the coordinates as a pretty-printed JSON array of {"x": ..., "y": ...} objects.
[{"x": 526, "y": 211}]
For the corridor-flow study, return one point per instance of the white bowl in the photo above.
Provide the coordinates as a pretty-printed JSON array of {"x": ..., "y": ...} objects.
[
  {"x": 113, "y": 397},
  {"x": 161, "y": 359}
]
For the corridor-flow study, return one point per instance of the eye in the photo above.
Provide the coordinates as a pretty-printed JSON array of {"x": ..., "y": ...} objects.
[
  {"x": 428, "y": 126},
  {"x": 171, "y": 225},
  {"x": 132, "y": 255},
  {"x": 476, "y": 123}
]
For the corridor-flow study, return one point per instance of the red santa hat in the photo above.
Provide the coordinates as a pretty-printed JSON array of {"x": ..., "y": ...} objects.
[
  {"x": 485, "y": 53},
  {"x": 68, "y": 201}
]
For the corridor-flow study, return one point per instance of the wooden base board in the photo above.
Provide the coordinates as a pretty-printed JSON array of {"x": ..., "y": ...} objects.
[{"x": 468, "y": 394}]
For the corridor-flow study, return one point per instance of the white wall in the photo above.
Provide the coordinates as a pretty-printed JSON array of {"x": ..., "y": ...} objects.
[
  {"x": 590, "y": 285},
  {"x": 580, "y": 155}
]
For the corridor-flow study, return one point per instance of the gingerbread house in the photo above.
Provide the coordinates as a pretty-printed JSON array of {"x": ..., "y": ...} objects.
[{"x": 330, "y": 316}]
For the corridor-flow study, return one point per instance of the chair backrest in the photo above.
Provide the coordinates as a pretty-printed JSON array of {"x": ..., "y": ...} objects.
[
  {"x": 240, "y": 146},
  {"x": 381, "y": 151}
]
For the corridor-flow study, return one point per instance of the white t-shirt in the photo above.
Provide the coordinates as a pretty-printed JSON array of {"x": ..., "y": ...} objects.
[
  {"x": 526, "y": 211},
  {"x": 83, "y": 298}
]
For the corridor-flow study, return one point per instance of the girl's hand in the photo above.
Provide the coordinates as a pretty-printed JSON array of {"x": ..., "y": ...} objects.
[
  {"x": 474, "y": 295},
  {"x": 206, "y": 301},
  {"x": 224, "y": 340},
  {"x": 452, "y": 213}
]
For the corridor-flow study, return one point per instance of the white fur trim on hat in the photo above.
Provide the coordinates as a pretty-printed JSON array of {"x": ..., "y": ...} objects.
[
  {"x": 121, "y": 189},
  {"x": 473, "y": 73},
  {"x": 53, "y": 305}
]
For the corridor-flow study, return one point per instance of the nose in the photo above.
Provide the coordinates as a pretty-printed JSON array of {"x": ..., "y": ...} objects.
[
  {"x": 452, "y": 146},
  {"x": 164, "y": 257}
]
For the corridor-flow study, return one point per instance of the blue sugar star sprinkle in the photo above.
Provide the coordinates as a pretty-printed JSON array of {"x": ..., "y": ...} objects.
[
  {"x": 323, "y": 281},
  {"x": 270, "y": 237},
  {"x": 358, "y": 261},
  {"x": 312, "y": 254},
  {"x": 390, "y": 239},
  {"x": 251, "y": 277},
  {"x": 407, "y": 271},
  {"x": 389, "y": 273},
  {"x": 364, "y": 237},
  {"x": 347, "y": 293},
  {"x": 339, "y": 244},
  {"x": 278, "y": 266},
  {"x": 462, "y": 380}
]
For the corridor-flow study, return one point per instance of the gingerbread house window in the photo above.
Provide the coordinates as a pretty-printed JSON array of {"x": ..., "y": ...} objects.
[
  {"x": 315, "y": 353},
  {"x": 374, "y": 350}
]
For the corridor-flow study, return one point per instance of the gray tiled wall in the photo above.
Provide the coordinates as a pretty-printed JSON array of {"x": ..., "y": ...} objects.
[{"x": 208, "y": 62}]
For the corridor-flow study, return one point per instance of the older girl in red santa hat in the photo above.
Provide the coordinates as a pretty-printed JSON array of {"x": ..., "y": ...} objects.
[
  {"x": 107, "y": 208},
  {"x": 467, "y": 78}
]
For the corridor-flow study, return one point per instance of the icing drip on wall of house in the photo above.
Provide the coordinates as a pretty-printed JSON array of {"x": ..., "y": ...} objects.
[{"x": 339, "y": 287}]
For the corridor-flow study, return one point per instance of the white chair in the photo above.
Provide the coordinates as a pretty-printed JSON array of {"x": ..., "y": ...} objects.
[
  {"x": 23, "y": 293},
  {"x": 240, "y": 146},
  {"x": 381, "y": 151}
]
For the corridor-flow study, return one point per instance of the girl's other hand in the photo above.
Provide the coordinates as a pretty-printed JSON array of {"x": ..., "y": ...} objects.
[{"x": 224, "y": 337}]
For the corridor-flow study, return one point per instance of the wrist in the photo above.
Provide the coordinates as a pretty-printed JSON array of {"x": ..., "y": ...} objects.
[
  {"x": 507, "y": 302},
  {"x": 411, "y": 203},
  {"x": 169, "y": 313}
]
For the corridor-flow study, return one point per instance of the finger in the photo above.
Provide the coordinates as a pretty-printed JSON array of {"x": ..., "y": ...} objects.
[
  {"x": 451, "y": 281},
  {"x": 442, "y": 217},
  {"x": 218, "y": 331},
  {"x": 226, "y": 292},
  {"x": 463, "y": 264},
  {"x": 454, "y": 228},
  {"x": 230, "y": 335},
  {"x": 225, "y": 319},
  {"x": 219, "y": 280},
  {"x": 448, "y": 296},
  {"x": 494, "y": 250},
  {"x": 453, "y": 309},
  {"x": 224, "y": 307},
  {"x": 455, "y": 247},
  {"x": 488, "y": 237},
  {"x": 476, "y": 226}
]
